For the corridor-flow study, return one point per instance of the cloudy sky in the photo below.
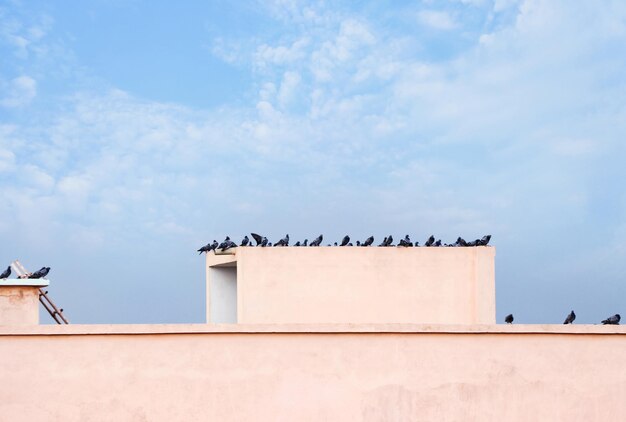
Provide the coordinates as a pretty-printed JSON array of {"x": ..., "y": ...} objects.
[{"x": 133, "y": 132}]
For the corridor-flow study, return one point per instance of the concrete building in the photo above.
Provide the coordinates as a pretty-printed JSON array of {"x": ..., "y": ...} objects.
[{"x": 310, "y": 334}]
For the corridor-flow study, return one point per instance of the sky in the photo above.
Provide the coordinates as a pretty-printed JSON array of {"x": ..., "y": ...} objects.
[{"x": 134, "y": 132}]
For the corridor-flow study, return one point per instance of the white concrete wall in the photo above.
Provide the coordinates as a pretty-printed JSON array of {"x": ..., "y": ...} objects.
[{"x": 222, "y": 305}]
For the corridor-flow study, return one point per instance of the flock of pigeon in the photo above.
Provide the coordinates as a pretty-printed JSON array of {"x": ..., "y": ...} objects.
[
  {"x": 612, "y": 320},
  {"x": 40, "y": 273},
  {"x": 261, "y": 241}
]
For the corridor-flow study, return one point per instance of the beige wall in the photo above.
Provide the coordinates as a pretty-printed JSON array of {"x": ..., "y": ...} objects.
[
  {"x": 312, "y": 373},
  {"x": 362, "y": 285},
  {"x": 19, "y": 305}
]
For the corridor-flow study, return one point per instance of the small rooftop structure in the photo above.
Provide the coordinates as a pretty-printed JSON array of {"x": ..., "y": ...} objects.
[{"x": 275, "y": 285}]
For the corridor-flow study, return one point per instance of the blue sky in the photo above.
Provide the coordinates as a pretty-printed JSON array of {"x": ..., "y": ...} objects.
[{"x": 133, "y": 132}]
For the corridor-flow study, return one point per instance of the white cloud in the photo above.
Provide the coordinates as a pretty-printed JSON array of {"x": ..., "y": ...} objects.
[
  {"x": 19, "y": 92},
  {"x": 437, "y": 19}
]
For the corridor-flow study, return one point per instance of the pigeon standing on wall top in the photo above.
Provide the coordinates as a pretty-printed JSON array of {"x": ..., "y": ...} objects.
[
  {"x": 368, "y": 241},
  {"x": 283, "y": 242},
  {"x": 6, "y": 273},
  {"x": 437, "y": 243},
  {"x": 317, "y": 241},
  {"x": 257, "y": 238},
  {"x": 40, "y": 273},
  {"x": 612, "y": 320},
  {"x": 358, "y": 243},
  {"x": 264, "y": 242},
  {"x": 509, "y": 319},
  {"x": 570, "y": 318},
  {"x": 430, "y": 241},
  {"x": 484, "y": 241},
  {"x": 208, "y": 247},
  {"x": 306, "y": 242},
  {"x": 297, "y": 243},
  {"x": 384, "y": 242},
  {"x": 389, "y": 241},
  {"x": 406, "y": 242},
  {"x": 460, "y": 242},
  {"x": 245, "y": 241},
  {"x": 224, "y": 244},
  {"x": 345, "y": 240}
]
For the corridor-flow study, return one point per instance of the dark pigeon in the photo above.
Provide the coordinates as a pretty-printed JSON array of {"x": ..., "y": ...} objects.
[
  {"x": 350, "y": 244},
  {"x": 245, "y": 241},
  {"x": 283, "y": 242},
  {"x": 509, "y": 319},
  {"x": 224, "y": 244},
  {"x": 306, "y": 242},
  {"x": 41, "y": 273},
  {"x": 406, "y": 242},
  {"x": 384, "y": 242},
  {"x": 485, "y": 240},
  {"x": 208, "y": 247},
  {"x": 368, "y": 241},
  {"x": 297, "y": 243},
  {"x": 460, "y": 242},
  {"x": 389, "y": 241},
  {"x": 334, "y": 244},
  {"x": 345, "y": 240},
  {"x": 437, "y": 243},
  {"x": 430, "y": 241},
  {"x": 264, "y": 242},
  {"x": 257, "y": 238},
  {"x": 358, "y": 243},
  {"x": 612, "y": 320},
  {"x": 317, "y": 241},
  {"x": 6, "y": 272},
  {"x": 570, "y": 318}
]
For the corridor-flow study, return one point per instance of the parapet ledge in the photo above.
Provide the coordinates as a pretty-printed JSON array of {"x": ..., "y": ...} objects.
[
  {"x": 420, "y": 329},
  {"x": 24, "y": 282}
]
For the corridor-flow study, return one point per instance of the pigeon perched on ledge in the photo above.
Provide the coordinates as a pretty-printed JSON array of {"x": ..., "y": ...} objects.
[
  {"x": 245, "y": 241},
  {"x": 430, "y": 242},
  {"x": 612, "y": 320},
  {"x": 264, "y": 242},
  {"x": 227, "y": 244},
  {"x": 208, "y": 247},
  {"x": 345, "y": 240},
  {"x": 283, "y": 242},
  {"x": 6, "y": 273},
  {"x": 40, "y": 273},
  {"x": 485, "y": 240},
  {"x": 509, "y": 319},
  {"x": 317, "y": 241},
  {"x": 257, "y": 238},
  {"x": 368, "y": 241},
  {"x": 570, "y": 318},
  {"x": 406, "y": 242}
]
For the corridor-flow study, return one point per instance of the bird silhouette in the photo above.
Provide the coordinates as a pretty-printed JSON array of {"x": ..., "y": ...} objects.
[
  {"x": 6, "y": 273},
  {"x": 40, "y": 273},
  {"x": 389, "y": 241},
  {"x": 317, "y": 241},
  {"x": 460, "y": 242},
  {"x": 509, "y": 319},
  {"x": 437, "y": 243},
  {"x": 384, "y": 242},
  {"x": 485, "y": 240},
  {"x": 306, "y": 241},
  {"x": 283, "y": 242},
  {"x": 245, "y": 241},
  {"x": 358, "y": 243},
  {"x": 264, "y": 242},
  {"x": 430, "y": 241},
  {"x": 570, "y": 318},
  {"x": 224, "y": 244},
  {"x": 612, "y": 320},
  {"x": 257, "y": 238},
  {"x": 345, "y": 240},
  {"x": 297, "y": 243},
  {"x": 208, "y": 247},
  {"x": 350, "y": 244},
  {"x": 334, "y": 244},
  {"x": 368, "y": 241},
  {"x": 406, "y": 242}
]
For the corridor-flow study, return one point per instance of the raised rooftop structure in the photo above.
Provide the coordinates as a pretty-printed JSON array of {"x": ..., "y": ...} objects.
[{"x": 352, "y": 285}]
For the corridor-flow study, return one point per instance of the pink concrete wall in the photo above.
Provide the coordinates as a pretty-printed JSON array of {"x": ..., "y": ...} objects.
[
  {"x": 19, "y": 305},
  {"x": 313, "y": 373},
  {"x": 364, "y": 285}
]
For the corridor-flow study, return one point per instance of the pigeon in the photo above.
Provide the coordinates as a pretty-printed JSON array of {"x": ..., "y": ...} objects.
[
  {"x": 368, "y": 241},
  {"x": 224, "y": 244},
  {"x": 612, "y": 320},
  {"x": 570, "y": 318},
  {"x": 350, "y": 244},
  {"x": 306, "y": 242},
  {"x": 460, "y": 242},
  {"x": 473, "y": 243},
  {"x": 389, "y": 241},
  {"x": 509, "y": 319},
  {"x": 257, "y": 238},
  {"x": 430, "y": 241},
  {"x": 334, "y": 244},
  {"x": 437, "y": 243},
  {"x": 406, "y": 242},
  {"x": 245, "y": 241},
  {"x": 345, "y": 240},
  {"x": 269, "y": 244},
  {"x": 41, "y": 273},
  {"x": 264, "y": 242},
  {"x": 317, "y": 241},
  {"x": 485, "y": 240},
  {"x": 6, "y": 272},
  {"x": 208, "y": 247},
  {"x": 358, "y": 243},
  {"x": 283, "y": 242},
  {"x": 384, "y": 242},
  {"x": 297, "y": 243}
]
